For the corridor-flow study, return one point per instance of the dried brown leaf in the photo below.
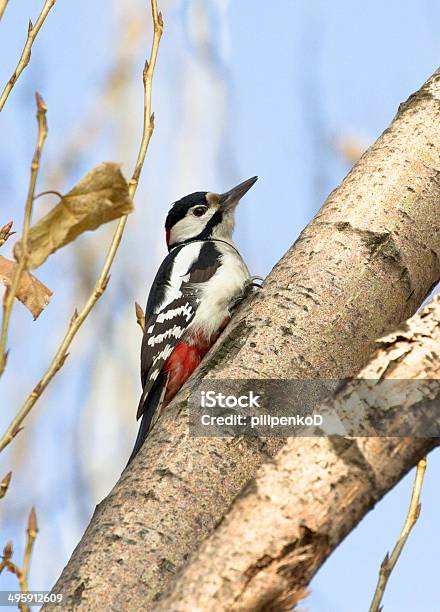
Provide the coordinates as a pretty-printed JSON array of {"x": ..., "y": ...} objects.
[
  {"x": 99, "y": 197},
  {"x": 31, "y": 292}
]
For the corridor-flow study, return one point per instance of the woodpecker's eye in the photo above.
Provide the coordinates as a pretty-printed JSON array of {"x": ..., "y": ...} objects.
[{"x": 199, "y": 210}]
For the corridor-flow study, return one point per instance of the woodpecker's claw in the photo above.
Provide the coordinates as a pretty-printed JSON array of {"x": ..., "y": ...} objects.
[{"x": 255, "y": 278}]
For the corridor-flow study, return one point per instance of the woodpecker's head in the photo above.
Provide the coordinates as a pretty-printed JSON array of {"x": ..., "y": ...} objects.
[{"x": 203, "y": 215}]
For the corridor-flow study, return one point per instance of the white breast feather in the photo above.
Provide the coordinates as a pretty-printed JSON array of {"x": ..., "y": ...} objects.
[{"x": 219, "y": 291}]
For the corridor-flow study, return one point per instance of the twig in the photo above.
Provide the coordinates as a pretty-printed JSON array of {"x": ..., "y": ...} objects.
[
  {"x": 26, "y": 53},
  {"x": 22, "y": 264},
  {"x": 22, "y": 573},
  {"x": 4, "y": 484},
  {"x": 3, "y": 4},
  {"x": 140, "y": 316},
  {"x": 78, "y": 318},
  {"x": 31, "y": 533},
  {"x": 389, "y": 562}
]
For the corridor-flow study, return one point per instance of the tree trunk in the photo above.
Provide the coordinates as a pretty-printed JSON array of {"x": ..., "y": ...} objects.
[
  {"x": 363, "y": 265},
  {"x": 299, "y": 507}
]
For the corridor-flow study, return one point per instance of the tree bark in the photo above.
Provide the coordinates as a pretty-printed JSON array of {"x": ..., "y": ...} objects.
[
  {"x": 364, "y": 264},
  {"x": 299, "y": 507}
]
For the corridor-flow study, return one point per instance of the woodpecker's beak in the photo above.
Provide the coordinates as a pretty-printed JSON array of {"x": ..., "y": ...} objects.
[{"x": 231, "y": 198}]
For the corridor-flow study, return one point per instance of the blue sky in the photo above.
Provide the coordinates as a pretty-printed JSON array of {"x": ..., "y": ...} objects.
[{"x": 241, "y": 88}]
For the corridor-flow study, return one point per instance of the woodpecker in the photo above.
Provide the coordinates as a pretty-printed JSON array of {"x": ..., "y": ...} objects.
[{"x": 192, "y": 296}]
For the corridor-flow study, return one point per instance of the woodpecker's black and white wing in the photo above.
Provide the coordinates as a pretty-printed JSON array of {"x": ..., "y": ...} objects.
[{"x": 171, "y": 307}]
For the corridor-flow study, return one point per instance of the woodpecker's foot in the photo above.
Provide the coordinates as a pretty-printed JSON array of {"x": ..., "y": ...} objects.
[
  {"x": 247, "y": 291},
  {"x": 251, "y": 285},
  {"x": 237, "y": 301}
]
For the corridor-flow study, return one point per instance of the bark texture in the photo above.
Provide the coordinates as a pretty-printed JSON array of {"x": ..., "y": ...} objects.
[
  {"x": 362, "y": 266},
  {"x": 287, "y": 520}
]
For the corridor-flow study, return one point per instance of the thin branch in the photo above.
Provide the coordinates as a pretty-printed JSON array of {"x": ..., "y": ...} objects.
[
  {"x": 22, "y": 264},
  {"x": 79, "y": 317},
  {"x": 22, "y": 573},
  {"x": 31, "y": 533},
  {"x": 389, "y": 562},
  {"x": 3, "y": 5},
  {"x": 26, "y": 53}
]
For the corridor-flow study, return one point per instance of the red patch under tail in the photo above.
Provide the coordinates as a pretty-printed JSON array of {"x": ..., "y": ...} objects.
[
  {"x": 180, "y": 365},
  {"x": 184, "y": 360}
]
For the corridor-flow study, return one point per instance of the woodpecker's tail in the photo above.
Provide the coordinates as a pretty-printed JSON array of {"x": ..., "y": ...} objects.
[{"x": 151, "y": 406}]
